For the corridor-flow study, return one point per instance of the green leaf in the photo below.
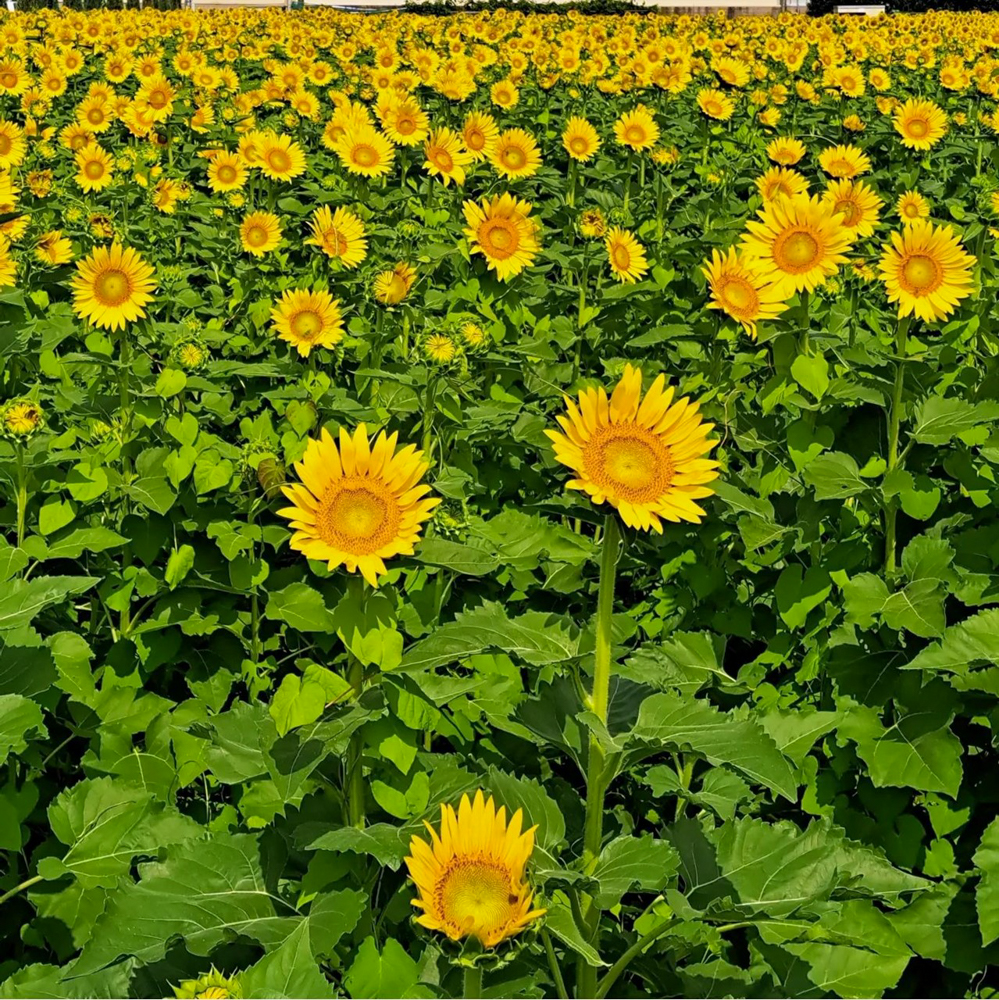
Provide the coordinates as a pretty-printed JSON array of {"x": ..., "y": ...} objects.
[
  {"x": 169, "y": 382},
  {"x": 797, "y": 595},
  {"x": 23, "y": 600},
  {"x": 204, "y": 892},
  {"x": 628, "y": 863},
  {"x": 73, "y": 545},
  {"x": 289, "y": 971},
  {"x": 153, "y": 493},
  {"x": 973, "y": 641},
  {"x": 987, "y": 890},
  {"x": 388, "y": 973},
  {"x": 332, "y": 916},
  {"x": 811, "y": 372},
  {"x": 560, "y": 922},
  {"x": 301, "y": 607},
  {"x": 834, "y": 476},
  {"x": 180, "y": 563},
  {"x": 20, "y": 718},
  {"x": 384, "y": 842},
  {"x": 54, "y": 515},
  {"x": 850, "y": 972},
  {"x": 301, "y": 700},
  {"x": 464, "y": 559},
  {"x": 938, "y": 419}
]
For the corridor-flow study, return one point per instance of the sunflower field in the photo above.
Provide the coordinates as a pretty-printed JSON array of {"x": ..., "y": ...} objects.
[{"x": 498, "y": 504}]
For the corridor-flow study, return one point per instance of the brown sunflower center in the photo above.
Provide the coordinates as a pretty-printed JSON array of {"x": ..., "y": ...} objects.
[
  {"x": 442, "y": 159},
  {"x": 5, "y": 144},
  {"x": 357, "y": 515},
  {"x": 365, "y": 156},
  {"x": 95, "y": 116},
  {"x": 628, "y": 462},
  {"x": 94, "y": 169},
  {"x": 474, "y": 140},
  {"x": 918, "y": 128},
  {"x": 921, "y": 273},
  {"x": 112, "y": 287},
  {"x": 158, "y": 99},
  {"x": 796, "y": 251},
  {"x": 740, "y": 296},
  {"x": 474, "y": 897},
  {"x": 9, "y": 80},
  {"x": 621, "y": 257},
  {"x": 499, "y": 238},
  {"x": 227, "y": 173},
  {"x": 405, "y": 125}
]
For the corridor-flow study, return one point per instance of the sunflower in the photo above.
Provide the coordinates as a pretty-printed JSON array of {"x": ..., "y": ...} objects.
[
  {"x": 391, "y": 287},
  {"x": 926, "y": 271},
  {"x": 780, "y": 182},
  {"x": 54, "y": 248},
  {"x": 166, "y": 194},
  {"x": 580, "y": 139},
  {"x": 739, "y": 292},
  {"x": 445, "y": 157},
  {"x": 921, "y": 124},
  {"x": 281, "y": 159},
  {"x": 339, "y": 235},
  {"x": 259, "y": 233},
  {"x": 796, "y": 244},
  {"x": 308, "y": 319},
  {"x": 94, "y": 168},
  {"x": 20, "y": 418},
  {"x": 625, "y": 255},
  {"x": 12, "y": 145},
  {"x": 856, "y": 202},
  {"x": 515, "y": 154},
  {"x": 786, "y": 150},
  {"x": 642, "y": 456},
  {"x": 592, "y": 224},
  {"x": 470, "y": 877},
  {"x": 912, "y": 206},
  {"x": 94, "y": 114},
  {"x": 404, "y": 121},
  {"x": 637, "y": 129},
  {"x": 358, "y": 505},
  {"x": 439, "y": 347},
  {"x": 112, "y": 286},
  {"x": 14, "y": 79},
  {"x": 479, "y": 134},
  {"x": 226, "y": 172},
  {"x": 500, "y": 228},
  {"x": 365, "y": 151},
  {"x": 715, "y": 104},
  {"x": 844, "y": 161},
  {"x": 211, "y": 986}
]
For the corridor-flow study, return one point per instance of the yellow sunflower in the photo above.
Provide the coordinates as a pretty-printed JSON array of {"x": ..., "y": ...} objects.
[
  {"x": 715, "y": 104},
  {"x": 580, "y": 139},
  {"x": 308, "y": 319},
  {"x": 280, "y": 158},
  {"x": 780, "y": 182},
  {"x": 94, "y": 168},
  {"x": 94, "y": 114},
  {"x": 445, "y": 156},
  {"x": 642, "y": 456},
  {"x": 625, "y": 255},
  {"x": 391, "y": 287},
  {"x": 502, "y": 230},
  {"x": 844, "y": 161},
  {"x": 226, "y": 172},
  {"x": 479, "y": 134},
  {"x": 211, "y": 986},
  {"x": 515, "y": 154},
  {"x": 786, "y": 151},
  {"x": 12, "y": 144},
  {"x": 339, "y": 235},
  {"x": 738, "y": 291},
  {"x": 259, "y": 233},
  {"x": 796, "y": 244},
  {"x": 921, "y": 124},
  {"x": 912, "y": 206},
  {"x": 365, "y": 151},
  {"x": 111, "y": 287},
  {"x": 637, "y": 129},
  {"x": 358, "y": 505},
  {"x": 404, "y": 121},
  {"x": 926, "y": 271},
  {"x": 470, "y": 877},
  {"x": 856, "y": 202},
  {"x": 54, "y": 248}
]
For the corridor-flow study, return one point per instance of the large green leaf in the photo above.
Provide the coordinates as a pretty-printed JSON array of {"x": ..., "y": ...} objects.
[
  {"x": 20, "y": 720},
  {"x": 288, "y": 972},
  {"x": 987, "y": 891}
]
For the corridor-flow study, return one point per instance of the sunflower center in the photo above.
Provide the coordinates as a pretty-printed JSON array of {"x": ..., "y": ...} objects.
[
  {"x": 405, "y": 126},
  {"x": 95, "y": 116},
  {"x": 365, "y": 156},
  {"x": 357, "y": 515},
  {"x": 621, "y": 257},
  {"x": 9, "y": 80},
  {"x": 628, "y": 462},
  {"x": 911, "y": 210},
  {"x": 578, "y": 144},
  {"x": 94, "y": 169},
  {"x": 475, "y": 897},
  {"x": 227, "y": 173},
  {"x": 713, "y": 108},
  {"x": 112, "y": 288},
  {"x": 256, "y": 236},
  {"x": 474, "y": 140},
  {"x": 278, "y": 160},
  {"x": 797, "y": 251},
  {"x": 921, "y": 273},
  {"x": 840, "y": 167},
  {"x": 635, "y": 134},
  {"x": 5, "y": 144},
  {"x": 918, "y": 128},
  {"x": 499, "y": 237},
  {"x": 514, "y": 158},
  {"x": 443, "y": 160},
  {"x": 306, "y": 324},
  {"x": 158, "y": 99},
  {"x": 740, "y": 296},
  {"x": 850, "y": 211}
]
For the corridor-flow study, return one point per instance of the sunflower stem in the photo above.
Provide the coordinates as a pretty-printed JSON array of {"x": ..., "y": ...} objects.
[
  {"x": 894, "y": 424},
  {"x": 570, "y": 196},
  {"x": 22, "y": 495},
  {"x": 596, "y": 785},
  {"x": 554, "y": 966},
  {"x": 473, "y": 983},
  {"x": 355, "y": 752}
]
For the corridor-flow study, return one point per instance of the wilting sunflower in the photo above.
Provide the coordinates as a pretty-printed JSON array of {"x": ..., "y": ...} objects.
[
  {"x": 211, "y": 986},
  {"x": 365, "y": 151},
  {"x": 625, "y": 255},
  {"x": 738, "y": 291},
  {"x": 280, "y": 158},
  {"x": 54, "y": 248},
  {"x": 445, "y": 156},
  {"x": 308, "y": 319},
  {"x": 796, "y": 244},
  {"x": 921, "y": 124},
  {"x": 856, "y": 202},
  {"x": 339, "y": 235},
  {"x": 844, "y": 161},
  {"x": 637, "y": 129},
  {"x": 360, "y": 504},
  {"x": 592, "y": 223},
  {"x": 226, "y": 172},
  {"x": 785, "y": 150},
  {"x": 642, "y": 456},
  {"x": 470, "y": 877},
  {"x": 780, "y": 182},
  {"x": 111, "y": 287},
  {"x": 94, "y": 168},
  {"x": 715, "y": 104},
  {"x": 580, "y": 139},
  {"x": 502, "y": 230},
  {"x": 912, "y": 206},
  {"x": 515, "y": 154},
  {"x": 391, "y": 287},
  {"x": 479, "y": 134},
  {"x": 926, "y": 271},
  {"x": 259, "y": 233}
]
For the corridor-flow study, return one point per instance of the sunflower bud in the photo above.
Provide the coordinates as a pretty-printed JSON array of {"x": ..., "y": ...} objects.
[{"x": 20, "y": 418}]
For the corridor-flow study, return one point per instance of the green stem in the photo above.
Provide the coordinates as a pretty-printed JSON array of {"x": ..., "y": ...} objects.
[
  {"x": 894, "y": 424},
  {"x": 355, "y": 754},
  {"x": 684, "y": 771},
  {"x": 554, "y": 966},
  {"x": 125, "y": 406},
  {"x": 804, "y": 345},
  {"x": 570, "y": 197},
  {"x": 596, "y": 785},
  {"x": 22, "y": 495},
  {"x": 473, "y": 983},
  {"x": 428, "y": 418},
  {"x": 26, "y": 884},
  {"x": 624, "y": 961}
]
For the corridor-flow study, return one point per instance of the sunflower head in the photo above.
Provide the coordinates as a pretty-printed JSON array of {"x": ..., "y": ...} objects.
[
  {"x": 211, "y": 986},
  {"x": 643, "y": 456},
  {"x": 21, "y": 418}
]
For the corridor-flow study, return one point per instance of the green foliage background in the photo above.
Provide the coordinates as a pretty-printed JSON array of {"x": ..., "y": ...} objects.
[{"x": 805, "y": 746}]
